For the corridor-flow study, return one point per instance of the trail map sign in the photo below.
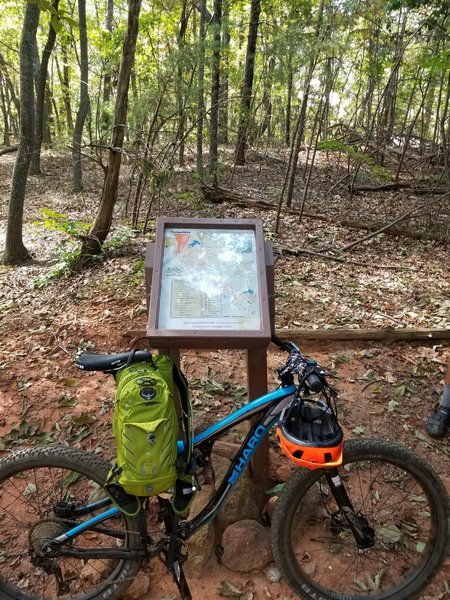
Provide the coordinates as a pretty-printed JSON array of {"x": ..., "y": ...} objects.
[{"x": 209, "y": 284}]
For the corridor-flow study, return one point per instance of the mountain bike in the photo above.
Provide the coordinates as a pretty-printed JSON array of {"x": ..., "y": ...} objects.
[{"x": 374, "y": 526}]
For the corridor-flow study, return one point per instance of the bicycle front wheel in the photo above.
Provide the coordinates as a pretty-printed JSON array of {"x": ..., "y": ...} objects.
[
  {"x": 44, "y": 492},
  {"x": 396, "y": 494}
]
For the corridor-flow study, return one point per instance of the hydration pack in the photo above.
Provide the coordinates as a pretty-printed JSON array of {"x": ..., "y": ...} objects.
[{"x": 146, "y": 429}]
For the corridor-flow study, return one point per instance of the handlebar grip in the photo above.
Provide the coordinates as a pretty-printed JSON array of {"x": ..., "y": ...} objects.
[
  {"x": 314, "y": 383},
  {"x": 282, "y": 345}
]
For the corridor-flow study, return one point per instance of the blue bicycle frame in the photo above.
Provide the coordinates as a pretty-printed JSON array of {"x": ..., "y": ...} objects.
[{"x": 267, "y": 410}]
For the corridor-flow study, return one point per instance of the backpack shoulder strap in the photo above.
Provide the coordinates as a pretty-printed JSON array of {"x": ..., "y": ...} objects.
[{"x": 186, "y": 408}]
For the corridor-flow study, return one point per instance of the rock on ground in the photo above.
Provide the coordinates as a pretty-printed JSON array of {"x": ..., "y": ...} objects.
[{"x": 246, "y": 546}]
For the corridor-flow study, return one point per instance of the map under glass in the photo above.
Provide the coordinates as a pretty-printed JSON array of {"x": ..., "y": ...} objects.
[{"x": 209, "y": 280}]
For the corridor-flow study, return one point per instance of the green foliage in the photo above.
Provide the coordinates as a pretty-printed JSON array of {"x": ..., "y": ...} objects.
[
  {"x": 139, "y": 266},
  {"x": 120, "y": 239},
  {"x": 161, "y": 177},
  {"x": 68, "y": 259},
  {"x": 57, "y": 16},
  {"x": 66, "y": 264},
  {"x": 354, "y": 52},
  {"x": 339, "y": 146},
  {"x": 55, "y": 221},
  {"x": 381, "y": 172},
  {"x": 334, "y": 146}
]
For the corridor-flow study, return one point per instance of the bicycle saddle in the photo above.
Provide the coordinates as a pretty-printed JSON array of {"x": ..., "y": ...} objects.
[{"x": 92, "y": 361}]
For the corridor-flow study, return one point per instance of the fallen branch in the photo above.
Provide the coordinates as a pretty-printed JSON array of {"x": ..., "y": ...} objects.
[
  {"x": 8, "y": 149},
  {"x": 383, "y": 229},
  {"x": 386, "y": 187},
  {"x": 218, "y": 195},
  {"x": 287, "y": 251},
  {"x": 388, "y": 334}
]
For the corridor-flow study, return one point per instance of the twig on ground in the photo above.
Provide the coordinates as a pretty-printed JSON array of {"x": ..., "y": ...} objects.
[
  {"x": 382, "y": 229},
  {"x": 289, "y": 252}
]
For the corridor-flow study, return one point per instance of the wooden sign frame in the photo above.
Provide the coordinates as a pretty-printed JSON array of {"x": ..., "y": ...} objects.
[{"x": 177, "y": 239}]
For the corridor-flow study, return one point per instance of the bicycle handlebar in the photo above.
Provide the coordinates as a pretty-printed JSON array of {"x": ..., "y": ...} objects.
[
  {"x": 308, "y": 370},
  {"x": 282, "y": 345}
]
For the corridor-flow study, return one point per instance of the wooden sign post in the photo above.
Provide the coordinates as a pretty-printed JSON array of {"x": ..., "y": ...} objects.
[{"x": 210, "y": 285}]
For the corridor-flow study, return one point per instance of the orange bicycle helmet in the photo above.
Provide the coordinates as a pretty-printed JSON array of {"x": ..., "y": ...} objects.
[{"x": 309, "y": 434}]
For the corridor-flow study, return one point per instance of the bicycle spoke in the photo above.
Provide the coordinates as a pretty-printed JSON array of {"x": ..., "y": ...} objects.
[
  {"x": 393, "y": 493},
  {"x": 29, "y": 494}
]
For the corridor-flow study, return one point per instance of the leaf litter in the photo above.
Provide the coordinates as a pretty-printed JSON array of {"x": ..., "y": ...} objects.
[{"x": 44, "y": 328}]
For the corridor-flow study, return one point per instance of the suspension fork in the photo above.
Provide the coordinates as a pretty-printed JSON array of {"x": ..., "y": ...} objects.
[{"x": 363, "y": 533}]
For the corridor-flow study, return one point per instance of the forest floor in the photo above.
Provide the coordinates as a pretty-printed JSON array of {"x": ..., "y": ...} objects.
[{"x": 386, "y": 390}]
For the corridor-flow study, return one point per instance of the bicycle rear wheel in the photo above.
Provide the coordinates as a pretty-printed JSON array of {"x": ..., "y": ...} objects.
[
  {"x": 32, "y": 482},
  {"x": 403, "y": 501}
]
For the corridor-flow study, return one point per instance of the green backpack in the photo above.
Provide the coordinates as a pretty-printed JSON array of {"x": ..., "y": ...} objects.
[{"x": 146, "y": 427}]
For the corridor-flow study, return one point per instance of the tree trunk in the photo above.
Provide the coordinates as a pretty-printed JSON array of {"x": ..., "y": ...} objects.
[
  {"x": 109, "y": 21},
  {"x": 409, "y": 133},
  {"x": 329, "y": 77},
  {"x": 64, "y": 81},
  {"x": 428, "y": 113},
  {"x": 438, "y": 110},
  {"x": 246, "y": 97},
  {"x": 390, "y": 97},
  {"x": 365, "y": 114},
  {"x": 445, "y": 131},
  {"x": 143, "y": 176},
  {"x": 224, "y": 77},
  {"x": 5, "y": 113},
  {"x": 92, "y": 245},
  {"x": 266, "y": 124},
  {"x": 48, "y": 116},
  {"x": 290, "y": 84},
  {"x": 301, "y": 121},
  {"x": 9, "y": 83},
  {"x": 35, "y": 167},
  {"x": 15, "y": 251},
  {"x": 215, "y": 88},
  {"x": 179, "y": 83},
  {"x": 291, "y": 171},
  {"x": 83, "y": 109},
  {"x": 201, "y": 86}
]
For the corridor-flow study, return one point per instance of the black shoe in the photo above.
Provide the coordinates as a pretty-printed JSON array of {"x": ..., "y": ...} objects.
[{"x": 438, "y": 422}]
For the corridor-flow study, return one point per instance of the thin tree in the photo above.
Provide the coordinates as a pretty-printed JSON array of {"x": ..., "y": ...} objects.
[
  {"x": 387, "y": 115},
  {"x": 246, "y": 97},
  {"x": 5, "y": 113},
  {"x": 92, "y": 245},
  {"x": 445, "y": 134},
  {"x": 224, "y": 76},
  {"x": 109, "y": 23},
  {"x": 8, "y": 82},
  {"x": 201, "y": 86},
  {"x": 215, "y": 88},
  {"x": 181, "y": 39},
  {"x": 290, "y": 87},
  {"x": 35, "y": 167},
  {"x": 64, "y": 82},
  {"x": 83, "y": 108},
  {"x": 15, "y": 250},
  {"x": 301, "y": 120}
]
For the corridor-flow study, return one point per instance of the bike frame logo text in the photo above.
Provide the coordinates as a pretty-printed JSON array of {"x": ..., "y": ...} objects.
[{"x": 247, "y": 453}]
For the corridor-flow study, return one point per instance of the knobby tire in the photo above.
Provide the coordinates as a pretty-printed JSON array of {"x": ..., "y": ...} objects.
[
  {"x": 404, "y": 502},
  {"x": 31, "y": 482}
]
